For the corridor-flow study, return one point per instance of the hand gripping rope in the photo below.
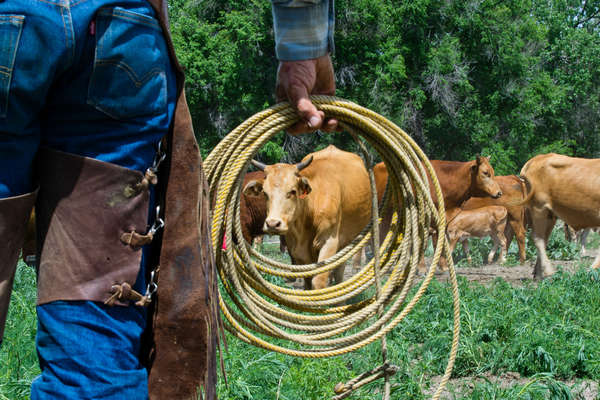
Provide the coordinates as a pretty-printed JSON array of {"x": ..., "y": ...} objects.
[{"x": 260, "y": 310}]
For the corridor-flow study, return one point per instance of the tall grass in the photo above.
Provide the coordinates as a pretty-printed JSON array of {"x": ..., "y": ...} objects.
[
  {"x": 547, "y": 332},
  {"x": 18, "y": 359}
]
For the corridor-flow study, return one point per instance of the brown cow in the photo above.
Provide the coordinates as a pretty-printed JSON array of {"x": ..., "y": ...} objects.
[
  {"x": 459, "y": 181},
  {"x": 480, "y": 222},
  {"x": 253, "y": 209},
  {"x": 563, "y": 187},
  {"x": 318, "y": 205},
  {"x": 513, "y": 189}
]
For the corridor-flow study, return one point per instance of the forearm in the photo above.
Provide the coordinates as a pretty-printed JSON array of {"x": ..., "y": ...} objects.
[{"x": 303, "y": 28}]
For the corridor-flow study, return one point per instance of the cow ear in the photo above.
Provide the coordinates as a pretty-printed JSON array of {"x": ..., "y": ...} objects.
[
  {"x": 253, "y": 188},
  {"x": 304, "y": 186}
]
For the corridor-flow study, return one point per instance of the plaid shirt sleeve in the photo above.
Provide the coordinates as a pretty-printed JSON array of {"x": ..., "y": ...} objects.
[{"x": 303, "y": 28}]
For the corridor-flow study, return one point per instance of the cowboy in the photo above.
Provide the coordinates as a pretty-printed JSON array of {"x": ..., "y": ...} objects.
[{"x": 96, "y": 133}]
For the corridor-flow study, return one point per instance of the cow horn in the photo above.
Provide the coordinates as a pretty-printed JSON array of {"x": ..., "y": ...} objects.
[
  {"x": 258, "y": 164},
  {"x": 303, "y": 164}
]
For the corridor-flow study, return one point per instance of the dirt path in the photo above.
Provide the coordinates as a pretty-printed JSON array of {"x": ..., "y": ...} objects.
[{"x": 517, "y": 274}]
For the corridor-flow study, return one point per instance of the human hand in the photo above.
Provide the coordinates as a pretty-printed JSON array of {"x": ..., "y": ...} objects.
[{"x": 296, "y": 80}]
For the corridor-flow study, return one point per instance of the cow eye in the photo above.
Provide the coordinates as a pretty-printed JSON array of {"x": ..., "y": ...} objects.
[{"x": 291, "y": 193}]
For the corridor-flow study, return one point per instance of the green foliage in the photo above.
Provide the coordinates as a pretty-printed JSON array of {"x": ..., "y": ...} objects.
[{"x": 509, "y": 79}]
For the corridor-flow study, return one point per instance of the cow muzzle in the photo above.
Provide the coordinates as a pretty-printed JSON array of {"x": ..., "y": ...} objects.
[
  {"x": 275, "y": 226},
  {"x": 498, "y": 194}
]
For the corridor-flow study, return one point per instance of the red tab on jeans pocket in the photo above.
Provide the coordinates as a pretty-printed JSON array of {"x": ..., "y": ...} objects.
[{"x": 93, "y": 27}]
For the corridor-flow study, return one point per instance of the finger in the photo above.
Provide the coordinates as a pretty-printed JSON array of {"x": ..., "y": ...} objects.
[
  {"x": 331, "y": 125},
  {"x": 299, "y": 128},
  {"x": 302, "y": 126}
]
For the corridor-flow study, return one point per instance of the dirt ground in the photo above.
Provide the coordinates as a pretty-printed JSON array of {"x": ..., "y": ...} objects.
[
  {"x": 581, "y": 390},
  {"x": 515, "y": 275}
]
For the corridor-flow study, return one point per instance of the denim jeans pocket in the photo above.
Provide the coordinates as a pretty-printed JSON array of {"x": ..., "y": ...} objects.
[
  {"x": 10, "y": 33},
  {"x": 129, "y": 75}
]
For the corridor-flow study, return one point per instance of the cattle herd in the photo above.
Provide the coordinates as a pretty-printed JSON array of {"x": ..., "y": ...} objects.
[{"x": 319, "y": 205}]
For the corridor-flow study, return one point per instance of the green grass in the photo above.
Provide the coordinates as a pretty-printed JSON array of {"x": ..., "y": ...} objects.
[
  {"x": 18, "y": 359},
  {"x": 547, "y": 332}
]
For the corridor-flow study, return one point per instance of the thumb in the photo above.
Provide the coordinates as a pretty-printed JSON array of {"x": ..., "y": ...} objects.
[{"x": 298, "y": 95}]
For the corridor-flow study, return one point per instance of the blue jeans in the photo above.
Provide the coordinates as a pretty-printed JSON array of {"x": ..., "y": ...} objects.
[{"x": 93, "y": 78}]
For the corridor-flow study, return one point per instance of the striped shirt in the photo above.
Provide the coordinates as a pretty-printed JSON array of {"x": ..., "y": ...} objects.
[{"x": 303, "y": 28}]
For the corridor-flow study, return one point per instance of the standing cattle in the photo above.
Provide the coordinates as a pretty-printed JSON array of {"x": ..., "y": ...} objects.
[
  {"x": 480, "y": 222},
  {"x": 513, "y": 189},
  {"x": 462, "y": 180},
  {"x": 318, "y": 205},
  {"x": 563, "y": 187},
  {"x": 253, "y": 210},
  {"x": 459, "y": 181}
]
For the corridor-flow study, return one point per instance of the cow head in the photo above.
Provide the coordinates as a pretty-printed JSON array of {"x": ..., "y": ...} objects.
[
  {"x": 482, "y": 179},
  {"x": 284, "y": 189}
]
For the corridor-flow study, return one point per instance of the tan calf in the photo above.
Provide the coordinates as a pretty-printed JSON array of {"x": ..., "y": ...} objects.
[
  {"x": 513, "y": 189},
  {"x": 480, "y": 222}
]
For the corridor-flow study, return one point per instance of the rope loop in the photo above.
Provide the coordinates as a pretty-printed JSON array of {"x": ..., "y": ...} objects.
[{"x": 260, "y": 309}]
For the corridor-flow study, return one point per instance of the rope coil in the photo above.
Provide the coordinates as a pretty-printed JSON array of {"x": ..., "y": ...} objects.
[{"x": 328, "y": 322}]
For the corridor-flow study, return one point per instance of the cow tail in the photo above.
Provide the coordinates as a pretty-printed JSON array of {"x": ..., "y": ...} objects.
[{"x": 528, "y": 190}]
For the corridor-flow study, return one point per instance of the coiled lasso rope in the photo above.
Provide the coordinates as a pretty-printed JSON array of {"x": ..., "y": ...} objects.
[{"x": 325, "y": 322}]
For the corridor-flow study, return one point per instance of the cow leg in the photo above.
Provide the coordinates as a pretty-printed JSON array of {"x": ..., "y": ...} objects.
[
  {"x": 453, "y": 238},
  {"x": 509, "y": 234},
  {"x": 327, "y": 250},
  {"x": 422, "y": 268},
  {"x": 503, "y": 247},
  {"x": 465, "y": 245},
  {"x": 517, "y": 229},
  {"x": 542, "y": 223},
  {"x": 358, "y": 260},
  {"x": 582, "y": 239},
  {"x": 492, "y": 252},
  {"x": 443, "y": 263}
]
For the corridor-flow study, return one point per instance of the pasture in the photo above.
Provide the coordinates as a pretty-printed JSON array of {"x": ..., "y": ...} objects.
[{"x": 519, "y": 339}]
